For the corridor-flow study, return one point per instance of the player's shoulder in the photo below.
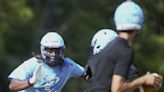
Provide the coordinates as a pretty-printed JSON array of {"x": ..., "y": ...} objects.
[
  {"x": 69, "y": 61},
  {"x": 122, "y": 45},
  {"x": 32, "y": 60}
]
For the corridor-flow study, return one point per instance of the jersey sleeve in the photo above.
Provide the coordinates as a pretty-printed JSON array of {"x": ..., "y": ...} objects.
[
  {"x": 77, "y": 70},
  {"x": 23, "y": 71},
  {"x": 133, "y": 73},
  {"x": 123, "y": 63}
]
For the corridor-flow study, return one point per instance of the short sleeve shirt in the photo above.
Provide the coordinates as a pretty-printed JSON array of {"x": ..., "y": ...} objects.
[
  {"x": 52, "y": 78},
  {"x": 115, "y": 58}
]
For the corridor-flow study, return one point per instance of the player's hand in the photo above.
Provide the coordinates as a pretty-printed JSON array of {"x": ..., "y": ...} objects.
[
  {"x": 87, "y": 73},
  {"x": 36, "y": 75},
  {"x": 153, "y": 79}
]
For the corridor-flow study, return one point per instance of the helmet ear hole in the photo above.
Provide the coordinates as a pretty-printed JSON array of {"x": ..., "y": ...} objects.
[{"x": 98, "y": 46}]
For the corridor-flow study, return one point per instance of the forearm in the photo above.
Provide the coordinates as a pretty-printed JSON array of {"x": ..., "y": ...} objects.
[
  {"x": 17, "y": 85},
  {"x": 123, "y": 86},
  {"x": 120, "y": 85},
  {"x": 134, "y": 84}
]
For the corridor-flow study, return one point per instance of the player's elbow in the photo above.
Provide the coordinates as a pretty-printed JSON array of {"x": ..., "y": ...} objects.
[
  {"x": 115, "y": 90},
  {"x": 12, "y": 87}
]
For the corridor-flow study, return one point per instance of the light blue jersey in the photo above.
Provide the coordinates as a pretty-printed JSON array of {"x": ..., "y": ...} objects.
[{"x": 52, "y": 79}]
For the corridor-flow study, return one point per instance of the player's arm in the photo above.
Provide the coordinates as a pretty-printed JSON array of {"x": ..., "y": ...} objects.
[
  {"x": 87, "y": 73},
  {"x": 77, "y": 69},
  {"x": 17, "y": 85},
  {"x": 120, "y": 85}
]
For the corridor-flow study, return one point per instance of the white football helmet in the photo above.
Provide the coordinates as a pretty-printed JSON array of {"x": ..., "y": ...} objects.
[
  {"x": 101, "y": 39},
  {"x": 52, "y": 48},
  {"x": 128, "y": 16}
]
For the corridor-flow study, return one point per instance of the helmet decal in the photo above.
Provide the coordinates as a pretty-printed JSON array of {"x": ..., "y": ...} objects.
[{"x": 101, "y": 39}]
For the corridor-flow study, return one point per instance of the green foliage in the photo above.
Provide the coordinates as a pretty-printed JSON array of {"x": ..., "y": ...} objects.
[
  {"x": 15, "y": 17},
  {"x": 23, "y": 22}
]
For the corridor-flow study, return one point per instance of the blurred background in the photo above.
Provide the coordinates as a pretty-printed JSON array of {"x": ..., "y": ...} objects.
[{"x": 24, "y": 22}]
